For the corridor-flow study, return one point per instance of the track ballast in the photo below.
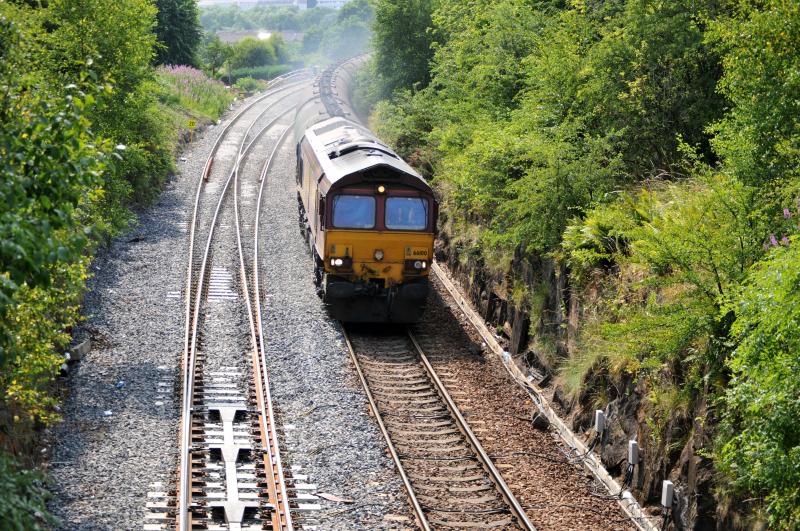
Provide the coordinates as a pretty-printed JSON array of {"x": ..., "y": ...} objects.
[{"x": 449, "y": 479}]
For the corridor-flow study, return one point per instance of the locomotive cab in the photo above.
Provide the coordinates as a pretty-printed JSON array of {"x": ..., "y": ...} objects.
[{"x": 370, "y": 221}]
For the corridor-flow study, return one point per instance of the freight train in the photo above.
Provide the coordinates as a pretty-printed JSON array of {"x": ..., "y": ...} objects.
[{"x": 368, "y": 217}]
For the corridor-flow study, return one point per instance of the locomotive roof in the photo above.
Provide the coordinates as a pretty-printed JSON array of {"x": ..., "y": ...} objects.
[{"x": 343, "y": 148}]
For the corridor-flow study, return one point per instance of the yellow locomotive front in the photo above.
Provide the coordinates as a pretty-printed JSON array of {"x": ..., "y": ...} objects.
[
  {"x": 370, "y": 220},
  {"x": 378, "y": 248}
]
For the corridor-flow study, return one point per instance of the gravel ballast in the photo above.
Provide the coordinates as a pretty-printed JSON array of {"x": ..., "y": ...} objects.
[
  {"x": 328, "y": 431},
  {"x": 118, "y": 440},
  {"x": 119, "y": 434},
  {"x": 544, "y": 475}
]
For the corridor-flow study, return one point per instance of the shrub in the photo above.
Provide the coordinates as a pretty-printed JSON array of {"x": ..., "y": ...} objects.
[
  {"x": 39, "y": 319},
  {"x": 249, "y": 85},
  {"x": 680, "y": 252},
  {"x": 760, "y": 440},
  {"x": 260, "y": 72},
  {"x": 250, "y": 52},
  {"x": 23, "y": 498}
]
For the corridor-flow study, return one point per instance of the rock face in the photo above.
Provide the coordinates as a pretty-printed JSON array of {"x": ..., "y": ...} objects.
[{"x": 540, "y": 330}]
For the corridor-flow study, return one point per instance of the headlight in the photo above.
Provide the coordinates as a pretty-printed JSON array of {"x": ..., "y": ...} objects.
[
  {"x": 378, "y": 255},
  {"x": 420, "y": 265},
  {"x": 338, "y": 262}
]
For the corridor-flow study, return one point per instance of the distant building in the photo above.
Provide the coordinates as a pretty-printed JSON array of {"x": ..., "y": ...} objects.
[
  {"x": 245, "y": 4},
  {"x": 236, "y": 36},
  {"x": 335, "y": 4}
]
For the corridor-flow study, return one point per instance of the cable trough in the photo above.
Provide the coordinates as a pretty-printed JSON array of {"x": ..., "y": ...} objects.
[{"x": 450, "y": 480}]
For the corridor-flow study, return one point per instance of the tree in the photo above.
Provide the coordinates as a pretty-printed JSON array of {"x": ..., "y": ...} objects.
[
  {"x": 357, "y": 9},
  {"x": 216, "y": 53},
  {"x": 124, "y": 58},
  {"x": 403, "y": 42},
  {"x": 178, "y": 32},
  {"x": 49, "y": 164},
  {"x": 760, "y": 138},
  {"x": 250, "y": 52}
]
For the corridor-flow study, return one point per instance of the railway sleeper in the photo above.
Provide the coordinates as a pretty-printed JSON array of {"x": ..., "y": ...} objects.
[
  {"x": 476, "y": 488},
  {"x": 497, "y": 524},
  {"x": 454, "y": 503},
  {"x": 421, "y": 433}
]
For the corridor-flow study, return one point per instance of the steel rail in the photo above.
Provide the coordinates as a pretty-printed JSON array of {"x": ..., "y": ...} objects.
[
  {"x": 514, "y": 506},
  {"x": 263, "y": 373},
  {"x": 203, "y": 177},
  {"x": 192, "y": 313},
  {"x": 281, "y": 517},
  {"x": 486, "y": 462},
  {"x": 422, "y": 519}
]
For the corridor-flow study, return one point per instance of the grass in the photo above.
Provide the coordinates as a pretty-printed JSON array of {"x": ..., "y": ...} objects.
[{"x": 191, "y": 90}]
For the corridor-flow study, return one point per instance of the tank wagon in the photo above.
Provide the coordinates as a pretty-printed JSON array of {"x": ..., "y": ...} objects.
[{"x": 368, "y": 217}]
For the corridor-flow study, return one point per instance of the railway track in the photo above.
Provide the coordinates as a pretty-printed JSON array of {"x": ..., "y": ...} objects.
[
  {"x": 450, "y": 480},
  {"x": 230, "y": 474}
]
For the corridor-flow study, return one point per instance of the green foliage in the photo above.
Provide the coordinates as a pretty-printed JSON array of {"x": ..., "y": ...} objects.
[
  {"x": 603, "y": 237},
  {"x": 129, "y": 114},
  {"x": 761, "y": 437},
  {"x": 760, "y": 137},
  {"x": 534, "y": 114},
  {"x": 365, "y": 92},
  {"x": 704, "y": 234},
  {"x": 51, "y": 160},
  {"x": 34, "y": 351},
  {"x": 260, "y": 72},
  {"x": 23, "y": 498},
  {"x": 328, "y": 34},
  {"x": 677, "y": 251},
  {"x": 178, "y": 32},
  {"x": 283, "y": 18},
  {"x": 122, "y": 55},
  {"x": 62, "y": 184},
  {"x": 64, "y": 187},
  {"x": 403, "y": 43},
  {"x": 649, "y": 145},
  {"x": 215, "y": 54},
  {"x": 343, "y": 35},
  {"x": 649, "y": 78},
  {"x": 345, "y": 39},
  {"x": 249, "y": 84},
  {"x": 251, "y": 52}
]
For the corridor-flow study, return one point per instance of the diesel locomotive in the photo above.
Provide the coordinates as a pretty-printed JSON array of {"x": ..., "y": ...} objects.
[{"x": 368, "y": 217}]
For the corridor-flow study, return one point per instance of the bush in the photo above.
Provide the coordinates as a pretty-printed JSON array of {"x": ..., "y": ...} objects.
[
  {"x": 250, "y": 52},
  {"x": 261, "y": 72},
  {"x": 249, "y": 85},
  {"x": 23, "y": 498},
  {"x": 760, "y": 438},
  {"x": 673, "y": 257},
  {"x": 39, "y": 318}
]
